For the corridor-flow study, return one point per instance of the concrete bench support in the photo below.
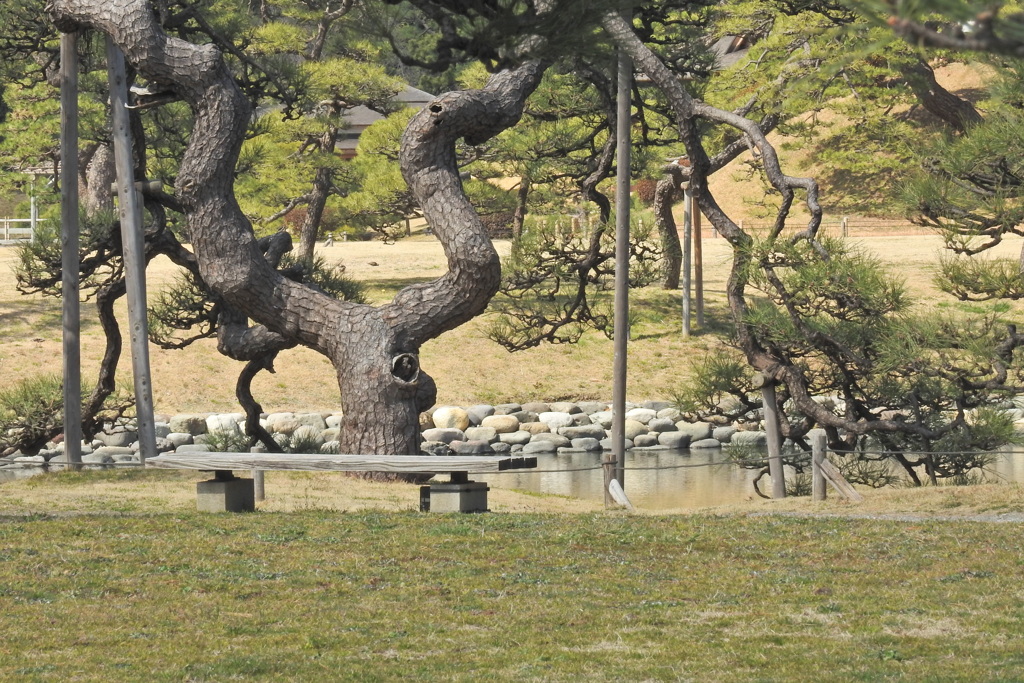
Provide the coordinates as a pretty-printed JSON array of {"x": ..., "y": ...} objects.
[
  {"x": 458, "y": 495},
  {"x": 225, "y": 493}
]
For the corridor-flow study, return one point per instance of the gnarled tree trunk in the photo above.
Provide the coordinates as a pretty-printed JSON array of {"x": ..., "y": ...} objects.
[{"x": 374, "y": 349}]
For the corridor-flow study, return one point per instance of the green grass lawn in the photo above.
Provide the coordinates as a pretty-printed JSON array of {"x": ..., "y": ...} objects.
[{"x": 319, "y": 595}]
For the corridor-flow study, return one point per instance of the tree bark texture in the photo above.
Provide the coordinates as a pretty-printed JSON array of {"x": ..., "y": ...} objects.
[
  {"x": 672, "y": 250},
  {"x": 373, "y": 349}
]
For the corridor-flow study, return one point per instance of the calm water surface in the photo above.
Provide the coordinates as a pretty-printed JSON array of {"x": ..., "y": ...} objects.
[{"x": 692, "y": 479}]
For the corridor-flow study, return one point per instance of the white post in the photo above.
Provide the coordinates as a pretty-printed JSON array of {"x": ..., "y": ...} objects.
[
  {"x": 133, "y": 246},
  {"x": 33, "y": 216}
]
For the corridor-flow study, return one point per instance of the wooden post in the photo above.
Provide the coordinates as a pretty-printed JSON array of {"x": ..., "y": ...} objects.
[
  {"x": 818, "y": 446},
  {"x": 621, "y": 318},
  {"x": 771, "y": 426},
  {"x": 838, "y": 481},
  {"x": 259, "y": 489},
  {"x": 698, "y": 266},
  {"x": 687, "y": 242},
  {"x": 133, "y": 247},
  {"x": 69, "y": 239}
]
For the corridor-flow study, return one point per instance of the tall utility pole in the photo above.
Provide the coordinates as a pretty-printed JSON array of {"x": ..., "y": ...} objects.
[
  {"x": 621, "y": 321},
  {"x": 69, "y": 240}
]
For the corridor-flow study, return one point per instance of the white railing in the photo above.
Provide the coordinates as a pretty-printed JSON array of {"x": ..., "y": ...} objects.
[{"x": 15, "y": 230}]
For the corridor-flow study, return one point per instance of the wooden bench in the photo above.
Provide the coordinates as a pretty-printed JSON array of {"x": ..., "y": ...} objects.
[{"x": 227, "y": 493}]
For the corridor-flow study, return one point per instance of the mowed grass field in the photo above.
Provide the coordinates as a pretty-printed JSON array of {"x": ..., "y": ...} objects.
[
  {"x": 141, "y": 588},
  {"x": 468, "y": 367}
]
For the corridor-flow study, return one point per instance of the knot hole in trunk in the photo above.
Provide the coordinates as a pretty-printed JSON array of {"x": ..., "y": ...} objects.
[{"x": 406, "y": 367}]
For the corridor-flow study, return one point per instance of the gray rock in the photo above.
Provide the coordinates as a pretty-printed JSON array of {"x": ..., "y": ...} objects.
[
  {"x": 486, "y": 434},
  {"x": 675, "y": 440},
  {"x": 194, "y": 448},
  {"x": 524, "y": 416},
  {"x": 507, "y": 408},
  {"x": 546, "y": 437},
  {"x": 451, "y": 417},
  {"x": 520, "y": 437},
  {"x": 435, "y": 448},
  {"x": 539, "y": 447},
  {"x": 309, "y": 436},
  {"x": 670, "y": 414},
  {"x": 536, "y": 407},
  {"x": 163, "y": 445},
  {"x": 226, "y": 423},
  {"x": 586, "y": 444},
  {"x": 131, "y": 457},
  {"x": 696, "y": 430},
  {"x": 581, "y": 419},
  {"x": 179, "y": 438},
  {"x": 662, "y": 424},
  {"x": 556, "y": 420},
  {"x": 642, "y": 415},
  {"x": 31, "y": 459},
  {"x": 98, "y": 458},
  {"x": 657, "y": 405},
  {"x": 591, "y": 431},
  {"x": 162, "y": 429},
  {"x": 470, "y": 447},
  {"x": 603, "y": 418},
  {"x": 477, "y": 413},
  {"x": 564, "y": 407},
  {"x": 634, "y": 428},
  {"x": 706, "y": 443},
  {"x": 517, "y": 448},
  {"x": 331, "y": 447},
  {"x": 723, "y": 434},
  {"x": 333, "y": 421},
  {"x": 444, "y": 435},
  {"x": 502, "y": 424},
  {"x": 606, "y": 444},
  {"x": 330, "y": 434},
  {"x": 315, "y": 420},
  {"x": 534, "y": 427},
  {"x": 500, "y": 448},
  {"x": 751, "y": 439},
  {"x": 645, "y": 441},
  {"x": 285, "y": 426},
  {"x": 118, "y": 439},
  {"x": 591, "y": 407}
]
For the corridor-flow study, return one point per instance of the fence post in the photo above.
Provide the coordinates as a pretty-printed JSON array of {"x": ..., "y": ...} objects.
[
  {"x": 818, "y": 445},
  {"x": 771, "y": 426},
  {"x": 259, "y": 490},
  {"x": 687, "y": 248},
  {"x": 133, "y": 241},
  {"x": 33, "y": 217},
  {"x": 846, "y": 226}
]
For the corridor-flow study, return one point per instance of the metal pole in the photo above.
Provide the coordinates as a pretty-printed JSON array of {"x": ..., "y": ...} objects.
[
  {"x": 69, "y": 239},
  {"x": 621, "y": 321},
  {"x": 687, "y": 242},
  {"x": 698, "y": 267},
  {"x": 771, "y": 426},
  {"x": 133, "y": 247}
]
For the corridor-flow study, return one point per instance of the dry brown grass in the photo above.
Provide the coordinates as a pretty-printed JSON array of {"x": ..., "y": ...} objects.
[{"x": 468, "y": 367}]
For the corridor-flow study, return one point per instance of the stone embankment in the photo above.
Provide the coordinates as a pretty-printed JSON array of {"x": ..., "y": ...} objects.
[{"x": 525, "y": 429}]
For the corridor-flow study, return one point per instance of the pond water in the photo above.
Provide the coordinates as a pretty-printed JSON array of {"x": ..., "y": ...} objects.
[
  {"x": 655, "y": 480},
  {"x": 672, "y": 480}
]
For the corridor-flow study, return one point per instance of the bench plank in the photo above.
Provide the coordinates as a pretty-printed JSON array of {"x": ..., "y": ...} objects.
[{"x": 471, "y": 464}]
